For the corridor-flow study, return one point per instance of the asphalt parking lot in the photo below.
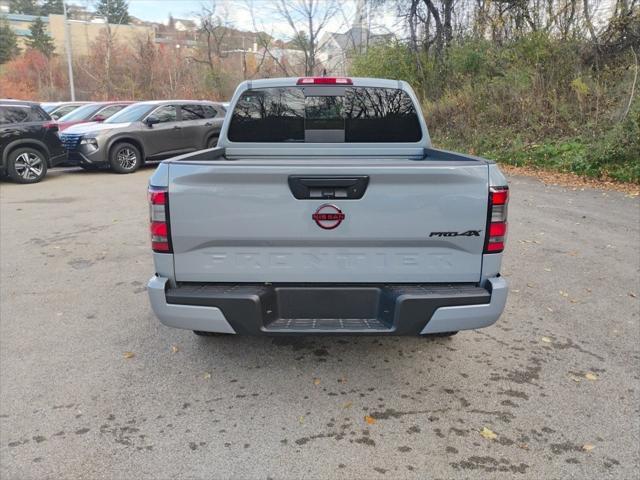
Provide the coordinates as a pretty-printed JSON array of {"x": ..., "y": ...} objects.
[{"x": 555, "y": 382}]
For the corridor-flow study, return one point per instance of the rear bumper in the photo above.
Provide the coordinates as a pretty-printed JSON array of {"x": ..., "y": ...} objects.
[{"x": 258, "y": 309}]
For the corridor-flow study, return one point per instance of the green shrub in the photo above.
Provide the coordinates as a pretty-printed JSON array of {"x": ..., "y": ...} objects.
[{"x": 536, "y": 101}]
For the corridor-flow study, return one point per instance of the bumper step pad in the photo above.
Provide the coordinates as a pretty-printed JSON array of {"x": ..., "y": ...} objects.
[{"x": 328, "y": 324}]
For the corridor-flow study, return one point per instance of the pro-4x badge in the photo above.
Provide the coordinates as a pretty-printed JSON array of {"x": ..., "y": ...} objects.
[{"x": 468, "y": 233}]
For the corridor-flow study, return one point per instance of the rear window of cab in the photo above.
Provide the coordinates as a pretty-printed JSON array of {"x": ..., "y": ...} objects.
[{"x": 317, "y": 115}]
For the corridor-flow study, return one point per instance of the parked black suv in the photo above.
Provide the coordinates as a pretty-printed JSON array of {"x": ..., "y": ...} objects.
[
  {"x": 145, "y": 131},
  {"x": 29, "y": 142}
]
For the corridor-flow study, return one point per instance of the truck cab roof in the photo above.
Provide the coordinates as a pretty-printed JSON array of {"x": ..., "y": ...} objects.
[{"x": 324, "y": 81}]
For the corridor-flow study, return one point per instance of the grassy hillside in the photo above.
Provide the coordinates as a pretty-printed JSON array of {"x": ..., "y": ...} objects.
[{"x": 534, "y": 101}]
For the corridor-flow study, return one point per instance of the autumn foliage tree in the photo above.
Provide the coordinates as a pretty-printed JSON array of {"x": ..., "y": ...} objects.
[{"x": 33, "y": 76}]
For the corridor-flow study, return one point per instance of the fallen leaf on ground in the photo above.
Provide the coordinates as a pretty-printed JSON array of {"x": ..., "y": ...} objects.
[
  {"x": 369, "y": 420},
  {"x": 174, "y": 349},
  {"x": 347, "y": 405},
  {"x": 546, "y": 340},
  {"x": 129, "y": 355},
  {"x": 633, "y": 295},
  {"x": 207, "y": 375},
  {"x": 316, "y": 381},
  {"x": 547, "y": 269},
  {"x": 301, "y": 419},
  {"x": 590, "y": 376},
  {"x": 571, "y": 179},
  {"x": 342, "y": 380},
  {"x": 488, "y": 434},
  {"x": 550, "y": 309},
  {"x": 587, "y": 447},
  {"x": 575, "y": 379}
]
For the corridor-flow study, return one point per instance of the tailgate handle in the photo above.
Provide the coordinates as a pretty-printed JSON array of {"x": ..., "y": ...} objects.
[{"x": 323, "y": 187}]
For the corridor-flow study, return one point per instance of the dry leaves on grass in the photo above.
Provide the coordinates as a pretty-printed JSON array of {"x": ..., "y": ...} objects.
[
  {"x": 129, "y": 355},
  {"x": 571, "y": 180},
  {"x": 488, "y": 434},
  {"x": 369, "y": 420}
]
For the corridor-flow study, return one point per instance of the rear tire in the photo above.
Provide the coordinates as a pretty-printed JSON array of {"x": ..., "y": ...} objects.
[
  {"x": 125, "y": 158},
  {"x": 212, "y": 142},
  {"x": 208, "y": 334},
  {"x": 26, "y": 165}
]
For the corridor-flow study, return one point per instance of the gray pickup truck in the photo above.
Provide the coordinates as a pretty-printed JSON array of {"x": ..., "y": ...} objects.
[{"x": 325, "y": 209}]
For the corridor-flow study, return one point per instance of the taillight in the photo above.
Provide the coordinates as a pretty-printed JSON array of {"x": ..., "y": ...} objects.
[
  {"x": 324, "y": 81},
  {"x": 497, "y": 219},
  {"x": 159, "y": 216},
  {"x": 51, "y": 125}
]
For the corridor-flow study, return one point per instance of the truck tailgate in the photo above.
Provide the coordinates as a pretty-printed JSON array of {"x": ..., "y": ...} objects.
[{"x": 239, "y": 221}]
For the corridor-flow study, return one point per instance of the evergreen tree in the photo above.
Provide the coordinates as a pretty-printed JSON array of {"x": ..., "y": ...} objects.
[
  {"x": 115, "y": 11},
  {"x": 40, "y": 39},
  {"x": 8, "y": 43},
  {"x": 52, "y": 6},
  {"x": 26, "y": 7}
]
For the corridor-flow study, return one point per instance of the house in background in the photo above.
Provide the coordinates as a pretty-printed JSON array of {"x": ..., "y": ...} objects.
[
  {"x": 336, "y": 50},
  {"x": 182, "y": 24}
]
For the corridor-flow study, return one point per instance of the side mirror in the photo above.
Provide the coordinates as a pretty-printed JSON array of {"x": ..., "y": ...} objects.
[
  {"x": 151, "y": 120},
  {"x": 99, "y": 118}
]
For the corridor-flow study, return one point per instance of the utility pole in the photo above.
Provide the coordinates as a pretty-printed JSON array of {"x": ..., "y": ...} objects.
[
  {"x": 243, "y": 61},
  {"x": 67, "y": 43}
]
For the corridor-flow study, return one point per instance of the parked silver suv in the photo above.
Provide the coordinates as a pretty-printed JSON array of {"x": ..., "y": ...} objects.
[{"x": 145, "y": 131}]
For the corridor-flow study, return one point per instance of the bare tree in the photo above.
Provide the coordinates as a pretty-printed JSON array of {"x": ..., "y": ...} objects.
[
  {"x": 214, "y": 28},
  {"x": 307, "y": 21}
]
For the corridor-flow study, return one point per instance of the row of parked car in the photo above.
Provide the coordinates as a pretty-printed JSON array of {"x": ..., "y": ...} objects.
[{"x": 119, "y": 135}]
